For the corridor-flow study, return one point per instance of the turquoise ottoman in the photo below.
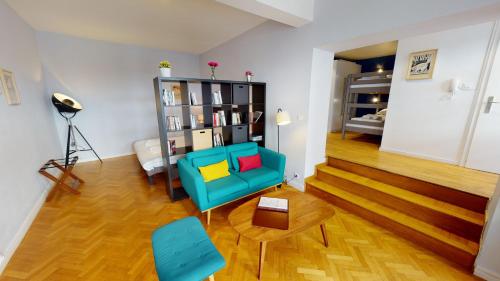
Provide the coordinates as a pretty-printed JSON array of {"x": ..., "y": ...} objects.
[{"x": 183, "y": 252}]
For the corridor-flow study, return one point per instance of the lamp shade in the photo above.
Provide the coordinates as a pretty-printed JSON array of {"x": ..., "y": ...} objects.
[
  {"x": 282, "y": 118},
  {"x": 64, "y": 103}
]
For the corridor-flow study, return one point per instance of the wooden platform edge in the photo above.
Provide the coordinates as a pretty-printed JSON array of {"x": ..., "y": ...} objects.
[
  {"x": 457, "y": 197},
  {"x": 460, "y": 257}
]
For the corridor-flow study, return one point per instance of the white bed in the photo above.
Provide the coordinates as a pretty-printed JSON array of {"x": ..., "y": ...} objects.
[{"x": 149, "y": 155}]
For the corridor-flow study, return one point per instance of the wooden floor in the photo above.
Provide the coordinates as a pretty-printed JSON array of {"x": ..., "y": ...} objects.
[
  {"x": 363, "y": 149},
  {"x": 104, "y": 234}
]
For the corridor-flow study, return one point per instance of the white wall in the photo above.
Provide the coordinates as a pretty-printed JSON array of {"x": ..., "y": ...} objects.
[
  {"x": 487, "y": 262},
  {"x": 113, "y": 82},
  {"x": 282, "y": 57},
  {"x": 423, "y": 119},
  {"x": 28, "y": 137}
]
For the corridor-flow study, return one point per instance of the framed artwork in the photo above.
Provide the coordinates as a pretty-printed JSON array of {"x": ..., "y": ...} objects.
[
  {"x": 9, "y": 87},
  {"x": 421, "y": 65}
]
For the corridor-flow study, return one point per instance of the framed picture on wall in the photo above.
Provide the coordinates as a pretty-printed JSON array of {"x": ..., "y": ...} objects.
[
  {"x": 9, "y": 87},
  {"x": 421, "y": 65}
]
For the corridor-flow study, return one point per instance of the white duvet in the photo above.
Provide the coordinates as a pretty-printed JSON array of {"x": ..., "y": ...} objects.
[{"x": 149, "y": 153}]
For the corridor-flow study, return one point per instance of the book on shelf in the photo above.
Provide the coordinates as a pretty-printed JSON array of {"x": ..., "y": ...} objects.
[
  {"x": 194, "y": 100},
  {"x": 218, "y": 140},
  {"x": 174, "y": 123},
  {"x": 256, "y": 138},
  {"x": 236, "y": 118},
  {"x": 219, "y": 118},
  {"x": 171, "y": 147},
  {"x": 168, "y": 97},
  {"x": 217, "y": 97},
  {"x": 193, "y": 121}
]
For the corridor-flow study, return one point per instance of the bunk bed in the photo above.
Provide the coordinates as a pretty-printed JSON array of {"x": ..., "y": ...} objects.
[{"x": 365, "y": 102}]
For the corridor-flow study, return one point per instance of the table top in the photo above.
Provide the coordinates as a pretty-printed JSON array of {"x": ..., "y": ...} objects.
[{"x": 305, "y": 211}]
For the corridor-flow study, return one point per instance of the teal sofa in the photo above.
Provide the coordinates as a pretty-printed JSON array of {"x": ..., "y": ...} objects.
[{"x": 209, "y": 195}]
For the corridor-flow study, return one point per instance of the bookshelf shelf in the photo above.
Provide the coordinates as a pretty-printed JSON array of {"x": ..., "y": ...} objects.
[{"x": 182, "y": 103}]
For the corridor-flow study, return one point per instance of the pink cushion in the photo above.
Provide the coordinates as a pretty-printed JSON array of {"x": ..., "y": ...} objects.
[{"x": 249, "y": 162}]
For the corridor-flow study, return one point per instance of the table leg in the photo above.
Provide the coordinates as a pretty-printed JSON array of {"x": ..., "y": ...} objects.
[
  {"x": 238, "y": 241},
  {"x": 262, "y": 256},
  {"x": 323, "y": 232}
]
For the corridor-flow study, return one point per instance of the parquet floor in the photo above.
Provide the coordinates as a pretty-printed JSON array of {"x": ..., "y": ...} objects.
[{"x": 104, "y": 234}]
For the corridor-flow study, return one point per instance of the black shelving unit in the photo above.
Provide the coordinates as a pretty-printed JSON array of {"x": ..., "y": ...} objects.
[{"x": 237, "y": 96}]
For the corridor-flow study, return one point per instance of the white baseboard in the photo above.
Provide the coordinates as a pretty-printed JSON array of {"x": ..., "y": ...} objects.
[
  {"x": 21, "y": 232},
  {"x": 486, "y": 274},
  {"x": 83, "y": 160},
  {"x": 418, "y": 155}
]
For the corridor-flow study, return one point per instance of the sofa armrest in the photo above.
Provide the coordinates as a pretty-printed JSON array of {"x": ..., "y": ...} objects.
[
  {"x": 273, "y": 160},
  {"x": 193, "y": 183}
]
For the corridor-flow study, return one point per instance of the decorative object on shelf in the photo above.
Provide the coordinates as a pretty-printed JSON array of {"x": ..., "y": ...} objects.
[
  {"x": 249, "y": 75},
  {"x": 421, "y": 65},
  {"x": 282, "y": 119},
  {"x": 165, "y": 68},
  {"x": 171, "y": 147},
  {"x": 213, "y": 65},
  {"x": 9, "y": 87}
]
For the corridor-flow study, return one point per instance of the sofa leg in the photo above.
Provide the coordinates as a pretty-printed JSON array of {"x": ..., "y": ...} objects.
[{"x": 209, "y": 212}]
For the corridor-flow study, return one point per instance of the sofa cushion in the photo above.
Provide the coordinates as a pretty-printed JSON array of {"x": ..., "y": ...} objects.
[
  {"x": 215, "y": 171},
  {"x": 258, "y": 176},
  {"x": 208, "y": 160},
  {"x": 241, "y": 153},
  {"x": 236, "y": 147},
  {"x": 225, "y": 186},
  {"x": 249, "y": 162},
  {"x": 205, "y": 152},
  {"x": 183, "y": 251}
]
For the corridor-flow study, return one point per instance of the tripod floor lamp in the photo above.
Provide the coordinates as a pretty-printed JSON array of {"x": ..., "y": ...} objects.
[{"x": 282, "y": 119}]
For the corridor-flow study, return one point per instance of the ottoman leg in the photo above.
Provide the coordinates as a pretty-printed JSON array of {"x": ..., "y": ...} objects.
[
  {"x": 209, "y": 212},
  {"x": 262, "y": 256}
]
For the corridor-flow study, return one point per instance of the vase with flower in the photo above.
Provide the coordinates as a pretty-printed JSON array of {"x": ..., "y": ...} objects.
[
  {"x": 249, "y": 75},
  {"x": 213, "y": 65}
]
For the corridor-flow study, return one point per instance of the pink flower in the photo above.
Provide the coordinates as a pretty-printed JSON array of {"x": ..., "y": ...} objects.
[
  {"x": 213, "y": 64},
  {"x": 248, "y": 72}
]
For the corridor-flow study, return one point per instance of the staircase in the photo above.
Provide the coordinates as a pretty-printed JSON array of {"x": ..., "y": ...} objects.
[{"x": 441, "y": 219}]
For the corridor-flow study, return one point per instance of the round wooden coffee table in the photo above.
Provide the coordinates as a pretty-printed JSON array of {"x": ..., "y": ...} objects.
[{"x": 304, "y": 210}]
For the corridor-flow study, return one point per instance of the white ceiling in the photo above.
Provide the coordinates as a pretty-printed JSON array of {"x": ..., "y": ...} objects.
[
  {"x": 192, "y": 26},
  {"x": 368, "y": 52}
]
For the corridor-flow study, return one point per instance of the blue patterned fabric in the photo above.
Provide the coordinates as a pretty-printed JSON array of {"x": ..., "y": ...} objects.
[{"x": 183, "y": 252}]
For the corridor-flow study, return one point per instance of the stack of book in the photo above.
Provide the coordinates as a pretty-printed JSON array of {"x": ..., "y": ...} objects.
[
  {"x": 256, "y": 138},
  {"x": 219, "y": 118},
  {"x": 174, "y": 123},
  {"x": 218, "y": 140},
  {"x": 168, "y": 97},
  {"x": 236, "y": 118},
  {"x": 217, "y": 97},
  {"x": 192, "y": 97},
  {"x": 193, "y": 121},
  {"x": 171, "y": 147},
  {"x": 271, "y": 212}
]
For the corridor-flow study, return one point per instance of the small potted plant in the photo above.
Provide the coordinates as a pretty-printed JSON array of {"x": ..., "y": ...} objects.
[
  {"x": 249, "y": 75},
  {"x": 165, "y": 68},
  {"x": 213, "y": 65}
]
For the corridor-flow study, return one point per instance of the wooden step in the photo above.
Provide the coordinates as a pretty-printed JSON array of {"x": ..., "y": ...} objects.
[
  {"x": 444, "y": 243},
  {"x": 456, "y": 197},
  {"x": 460, "y": 221}
]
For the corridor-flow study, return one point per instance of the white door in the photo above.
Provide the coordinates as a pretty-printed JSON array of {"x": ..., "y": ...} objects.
[{"x": 484, "y": 153}]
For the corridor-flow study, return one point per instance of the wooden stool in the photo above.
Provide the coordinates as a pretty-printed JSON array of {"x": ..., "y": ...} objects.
[{"x": 66, "y": 172}]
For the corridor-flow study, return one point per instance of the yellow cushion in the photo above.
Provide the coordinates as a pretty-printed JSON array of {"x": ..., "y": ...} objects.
[{"x": 215, "y": 171}]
